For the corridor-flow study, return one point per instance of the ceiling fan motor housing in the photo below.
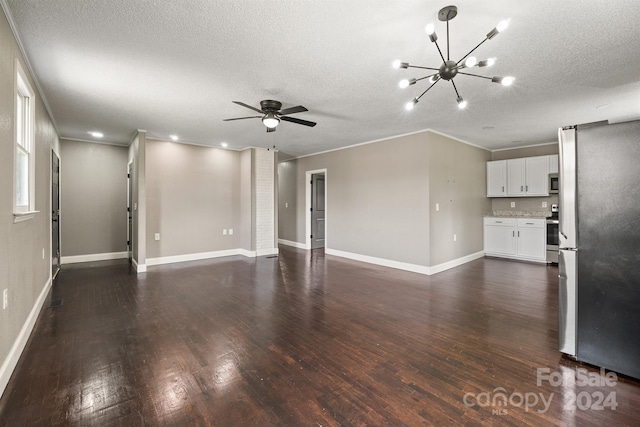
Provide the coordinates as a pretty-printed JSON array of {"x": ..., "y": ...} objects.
[{"x": 270, "y": 105}]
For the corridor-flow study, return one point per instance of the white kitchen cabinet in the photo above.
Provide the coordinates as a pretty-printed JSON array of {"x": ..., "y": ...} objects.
[
  {"x": 500, "y": 236},
  {"x": 531, "y": 239},
  {"x": 497, "y": 178},
  {"x": 528, "y": 176},
  {"x": 516, "y": 177},
  {"x": 517, "y": 238},
  {"x": 553, "y": 163}
]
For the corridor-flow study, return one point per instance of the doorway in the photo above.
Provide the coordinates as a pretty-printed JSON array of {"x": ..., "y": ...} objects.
[
  {"x": 316, "y": 208},
  {"x": 130, "y": 212},
  {"x": 55, "y": 215}
]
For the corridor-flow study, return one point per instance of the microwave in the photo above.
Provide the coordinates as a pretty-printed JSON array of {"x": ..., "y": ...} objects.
[{"x": 554, "y": 183}]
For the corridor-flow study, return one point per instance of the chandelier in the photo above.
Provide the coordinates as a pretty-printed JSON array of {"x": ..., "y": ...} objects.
[{"x": 450, "y": 69}]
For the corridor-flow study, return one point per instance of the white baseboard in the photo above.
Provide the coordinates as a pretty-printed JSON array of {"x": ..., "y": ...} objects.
[
  {"x": 455, "y": 262},
  {"x": 247, "y": 253},
  {"x": 10, "y": 362},
  {"x": 291, "y": 243},
  {"x": 192, "y": 257},
  {"x": 140, "y": 268},
  {"x": 267, "y": 251},
  {"x": 93, "y": 257},
  {"x": 415, "y": 268}
]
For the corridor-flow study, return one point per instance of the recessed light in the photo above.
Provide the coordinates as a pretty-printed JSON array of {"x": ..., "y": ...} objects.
[
  {"x": 224, "y": 144},
  {"x": 173, "y": 137},
  {"x": 488, "y": 127},
  {"x": 96, "y": 134}
]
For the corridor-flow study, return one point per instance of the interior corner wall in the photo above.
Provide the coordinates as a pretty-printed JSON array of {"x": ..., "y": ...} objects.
[
  {"x": 25, "y": 247},
  {"x": 193, "y": 194},
  {"x": 263, "y": 201},
  {"x": 246, "y": 207},
  {"x": 287, "y": 200},
  {"x": 93, "y": 200},
  {"x": 458, "y": 185},
  {"x": 377, "y": 199}
]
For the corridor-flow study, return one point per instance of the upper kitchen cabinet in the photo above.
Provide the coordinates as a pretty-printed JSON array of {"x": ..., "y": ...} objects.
[
  {"x": 553, "y": 163},
  {"x": 497, "y": 178},
  {"x": 522, "y": 177}
]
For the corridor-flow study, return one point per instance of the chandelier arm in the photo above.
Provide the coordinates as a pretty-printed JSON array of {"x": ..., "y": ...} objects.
[
  {"x": 426, "y": 77},
  {"x": 439, "y": 51},
  {"x": 432, "y": 85},
  {"x": 475, "y": 75},
  {"x": 423, "y": 68},
  {"x": 455, "y": 88},
  {"x": 471, "y": 51}
]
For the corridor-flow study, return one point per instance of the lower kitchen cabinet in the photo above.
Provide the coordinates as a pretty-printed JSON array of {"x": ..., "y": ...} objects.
[{"x": 518, "y": 238}]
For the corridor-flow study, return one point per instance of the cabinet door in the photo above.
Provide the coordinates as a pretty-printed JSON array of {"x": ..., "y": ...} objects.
[
  {"x": 537, "y": 176},
  {"x": 553, "y": 163},
  {"x": 515, "y": 177},
  {"x": 499, "y": 240},
  {"x": 531, "y": 243},
  {"x": 496, "y": 177}
]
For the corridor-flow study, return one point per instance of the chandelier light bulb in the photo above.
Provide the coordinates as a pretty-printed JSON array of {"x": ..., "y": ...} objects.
[
  {"x": 396, "y": 63},
  {"x": 508, "y": 81},
  {"x": 462, "y": 104},
  {"x": 430, "y": 29},
  {"x": 470, "y": 62},
  {"x": 503, "y": 25},
  {"x": 487, "y": 62},
  {"x": 409, "y": 105},
  {"x": 434, "y": 78},
  {"x": 403, "y": 83}
]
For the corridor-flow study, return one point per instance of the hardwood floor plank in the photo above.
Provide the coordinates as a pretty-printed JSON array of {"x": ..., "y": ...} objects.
[{"x": 302, "y": 339}]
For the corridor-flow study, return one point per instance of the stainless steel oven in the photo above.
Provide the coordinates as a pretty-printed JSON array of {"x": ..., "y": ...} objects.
[{"x": 553, "y": 241}]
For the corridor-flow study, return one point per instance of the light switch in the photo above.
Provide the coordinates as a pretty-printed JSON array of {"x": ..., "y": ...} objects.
[
  {"x": 224, "y": 232},
  {"x": 286, "y": 204},
  {"x": 544, "y": 204},
  {"x": 437, "y": 206},
  {"x": 157, "y": 236},
  {"x": 230, "y": 231}
]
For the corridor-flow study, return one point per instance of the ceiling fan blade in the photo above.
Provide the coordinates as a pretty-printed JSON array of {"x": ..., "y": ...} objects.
[
  {"x": 242, "y": 118},
  {"x": 298, "y": 109},
  {"x": 247, "y": 106},
  {"x": 271, "y": 130},
  {"x": 298, "y": 121}
]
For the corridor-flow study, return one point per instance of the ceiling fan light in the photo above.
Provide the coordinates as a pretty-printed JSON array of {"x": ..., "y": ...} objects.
[
  {"x": 409, "y": 105},
  {"x": 270, "y": 120},
  {"x": 462, "y": 104}
]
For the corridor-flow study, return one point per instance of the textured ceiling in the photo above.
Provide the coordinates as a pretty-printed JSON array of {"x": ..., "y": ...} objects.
[{"x": 173, "y": 67}]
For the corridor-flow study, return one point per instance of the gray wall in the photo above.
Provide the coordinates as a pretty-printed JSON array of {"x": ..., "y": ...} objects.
[
  {"x": 24, "y": 271},
  {"x": 378, "y": 198},
  {"x": 458, "y": 184},
  {"x": 515, "y": 153},
  {"x": 93, "y": 198},
  {"x": 193, "y": 193}
]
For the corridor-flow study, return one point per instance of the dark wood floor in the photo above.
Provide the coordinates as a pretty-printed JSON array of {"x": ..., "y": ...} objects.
[{"x": 303, "y": 339}]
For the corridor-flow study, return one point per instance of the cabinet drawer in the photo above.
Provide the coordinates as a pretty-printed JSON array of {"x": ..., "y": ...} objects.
[
  {"x": 531, "y": 223},
  {"x": 500, "y": 221}
]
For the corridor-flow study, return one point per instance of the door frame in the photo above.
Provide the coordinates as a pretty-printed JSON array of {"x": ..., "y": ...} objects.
[
  {"x": 129, "y": 212},
  {"x": 307, "y": 207},
  {"x": 51, "y": 154}
]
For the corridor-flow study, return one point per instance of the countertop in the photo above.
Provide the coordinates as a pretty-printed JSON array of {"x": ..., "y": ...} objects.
[{"x": 519, "y": 214}]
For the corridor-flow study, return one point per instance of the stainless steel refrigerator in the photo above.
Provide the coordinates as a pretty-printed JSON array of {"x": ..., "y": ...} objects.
[{"x": 599, "y": 233}]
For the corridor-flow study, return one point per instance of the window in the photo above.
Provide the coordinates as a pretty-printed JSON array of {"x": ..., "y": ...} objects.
[{"x": 24, "y": 174}]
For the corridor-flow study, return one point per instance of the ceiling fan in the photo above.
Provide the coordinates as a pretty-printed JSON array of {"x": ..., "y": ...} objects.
[{"x": 271, "y": 114}]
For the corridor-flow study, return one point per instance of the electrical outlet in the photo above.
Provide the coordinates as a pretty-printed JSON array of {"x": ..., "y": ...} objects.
[
  {"x": 513, "y": 204},
  {"x": 224, "y": 231},
  {"x": 544, "y": 204},
  {"x": 437, "y": 207},
  {"x": 286, "y": 205},
  {"x": 5, "y": 299},
  {"x": 157, "y": 236},
  {"x": 455, "y": 237},
  {"x": 230, "y": 231}
]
